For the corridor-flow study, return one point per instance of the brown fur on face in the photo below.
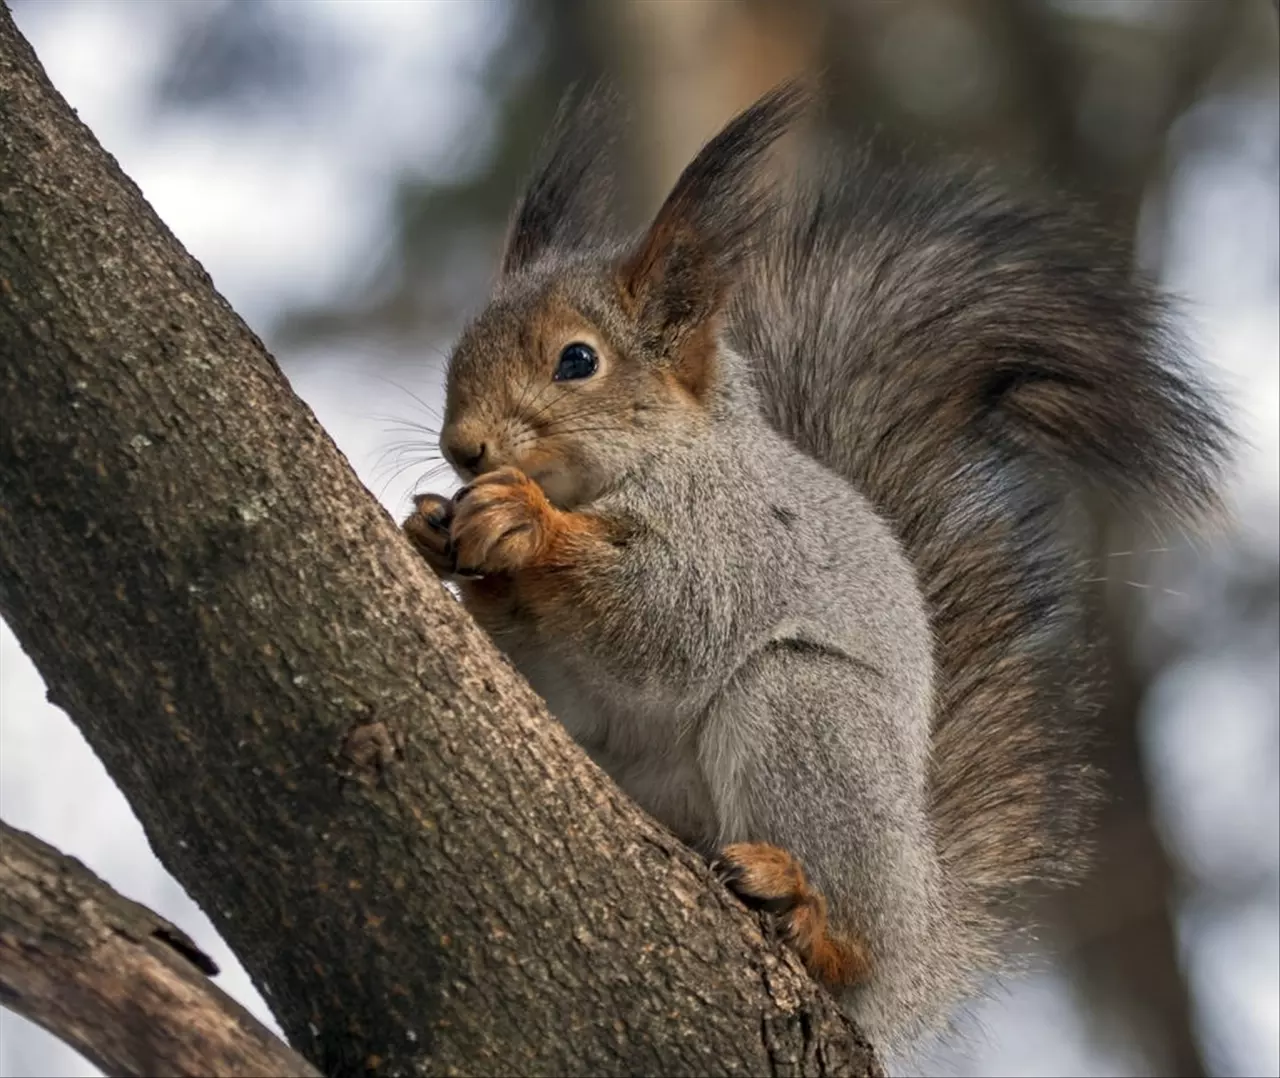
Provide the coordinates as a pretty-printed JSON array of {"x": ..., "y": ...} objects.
[
  {"x": 574, "y": 438},
  {"x": 651, "y": 309}
]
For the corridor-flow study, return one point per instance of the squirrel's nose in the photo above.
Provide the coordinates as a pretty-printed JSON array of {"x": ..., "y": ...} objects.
[{"x": 465, "y": 455}]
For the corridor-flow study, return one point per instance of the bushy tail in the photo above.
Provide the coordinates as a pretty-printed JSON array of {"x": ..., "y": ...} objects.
[{"x": 970, "y": 363}]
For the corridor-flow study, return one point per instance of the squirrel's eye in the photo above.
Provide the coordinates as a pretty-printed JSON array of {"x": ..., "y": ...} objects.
[{"x": 578, "y": 360}]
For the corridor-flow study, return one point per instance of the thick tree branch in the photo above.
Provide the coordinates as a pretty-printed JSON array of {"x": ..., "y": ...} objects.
[
  {"x": 124, "y": 987},
  {"x": 418, "y": 868}
]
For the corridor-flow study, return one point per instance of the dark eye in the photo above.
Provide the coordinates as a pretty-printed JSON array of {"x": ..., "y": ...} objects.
[{"x": 578, "y": 360}]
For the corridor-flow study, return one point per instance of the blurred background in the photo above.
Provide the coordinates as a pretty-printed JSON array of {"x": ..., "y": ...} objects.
[{"x": 343, "y": 168}]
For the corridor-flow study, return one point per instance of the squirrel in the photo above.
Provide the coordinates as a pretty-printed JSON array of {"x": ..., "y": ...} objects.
[{"x": 773, "y": 502}]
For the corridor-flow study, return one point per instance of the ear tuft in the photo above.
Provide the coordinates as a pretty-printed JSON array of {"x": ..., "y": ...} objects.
[
  {"x": 683, "y": 267},
  {"x": 568, "y": 200}
]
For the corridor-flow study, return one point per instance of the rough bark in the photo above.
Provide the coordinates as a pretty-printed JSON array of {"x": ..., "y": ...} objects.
[
  {"x": 127, "y": 989},
  {"x": 418, "y": 868}
]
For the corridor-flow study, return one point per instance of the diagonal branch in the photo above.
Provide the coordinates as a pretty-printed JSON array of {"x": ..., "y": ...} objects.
[
  {"x": 420, "y": 870},
  {"x": 121, "y": 985}
]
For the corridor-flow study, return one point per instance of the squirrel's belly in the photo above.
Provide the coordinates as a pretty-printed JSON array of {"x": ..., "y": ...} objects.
[
  {"x": 672, "y": 790},
  {"x": 644, "y": 749}
]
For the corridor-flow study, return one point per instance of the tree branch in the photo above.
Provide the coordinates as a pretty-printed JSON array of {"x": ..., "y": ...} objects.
[
  {"x": 124, "y": 987},
  {"x": 419, "y": 869}
]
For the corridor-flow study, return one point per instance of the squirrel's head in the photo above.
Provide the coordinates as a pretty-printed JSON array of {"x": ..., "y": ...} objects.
[{"x": 595, "y": 352}]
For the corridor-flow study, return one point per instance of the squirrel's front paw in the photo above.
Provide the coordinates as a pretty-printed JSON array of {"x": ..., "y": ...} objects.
[
  {"x": 502, "y": 522},
  {"x": 427, "y": 528},
  {"x": 770, "y": 879}
]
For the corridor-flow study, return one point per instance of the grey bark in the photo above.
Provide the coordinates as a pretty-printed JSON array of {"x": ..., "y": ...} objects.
[
  {"x": 127, "y": 989},
  {"x": 417, "y": 867}
]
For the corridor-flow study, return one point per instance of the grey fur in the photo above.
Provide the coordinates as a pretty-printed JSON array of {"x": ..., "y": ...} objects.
[{"x": 845, "y": 614}]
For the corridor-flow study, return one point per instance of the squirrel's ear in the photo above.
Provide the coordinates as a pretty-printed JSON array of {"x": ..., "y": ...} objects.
[
  {"x": 568, "y": 200},
  {"x": 681, "y": 272}
]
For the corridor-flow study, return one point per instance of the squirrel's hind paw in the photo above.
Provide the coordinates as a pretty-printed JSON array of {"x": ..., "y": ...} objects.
[{"x": 768, "y": 878}]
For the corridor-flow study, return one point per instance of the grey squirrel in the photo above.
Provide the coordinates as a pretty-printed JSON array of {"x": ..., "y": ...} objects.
[{"x": 772, "y": 504}]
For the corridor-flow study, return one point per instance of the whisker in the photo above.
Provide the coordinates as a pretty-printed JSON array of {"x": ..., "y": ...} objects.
[
  {"x": 397, "y": 449},
  {"x": 394, "y": 474},
  {"x": 426, "y": 477},
  {"x": 524, "y": 392},
  {"x": 1140, "y": 585},
  {"x": 429, "y": 409},
  {"x": 389, "y": 473},
  {"x": 396, "y": 453},
  {"x": 583, "y": 425},
  {"x": 590, "y": 428},
  {"x": 573, "y": 413},
  {"x": 1140, "y": 553},
  {"x": 395, "y": 422},
  {"x": 436, "y": 351},
  {"x": 569, "y": 415},
  {"x": 536, "y": 415},
  {"x": 405, "y": 428},
  {"x": 428, "y": 448},
  {"x": 387, "y": 417}
]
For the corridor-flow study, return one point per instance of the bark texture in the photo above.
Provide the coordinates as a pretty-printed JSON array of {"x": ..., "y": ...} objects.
[
  {"x": 418, "y": 868},
  {"x": 127, "y": 989}
]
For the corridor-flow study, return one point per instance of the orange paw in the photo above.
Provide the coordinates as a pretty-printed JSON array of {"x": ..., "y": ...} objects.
[
  {"x": 768, "y": 878},
  {"x": 502, "y": 522},
  {"x": 427, "y": 528}
]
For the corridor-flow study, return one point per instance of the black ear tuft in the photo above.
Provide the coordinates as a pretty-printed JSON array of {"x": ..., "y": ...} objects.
[
  {"x": 568, "y": 200},
  {"x": 684, "y": 265}
]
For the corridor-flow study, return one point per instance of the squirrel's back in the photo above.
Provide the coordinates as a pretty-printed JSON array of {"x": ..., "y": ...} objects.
[{"x": 972, "y": 363}]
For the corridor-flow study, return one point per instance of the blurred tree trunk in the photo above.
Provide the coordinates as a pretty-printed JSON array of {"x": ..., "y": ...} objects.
[
  {"x": 685, "y": 67},
  {"x": 420, "y": 870}
]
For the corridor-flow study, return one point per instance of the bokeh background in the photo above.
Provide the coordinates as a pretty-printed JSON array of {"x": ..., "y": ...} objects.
[{"x": 343, "y": 168}]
